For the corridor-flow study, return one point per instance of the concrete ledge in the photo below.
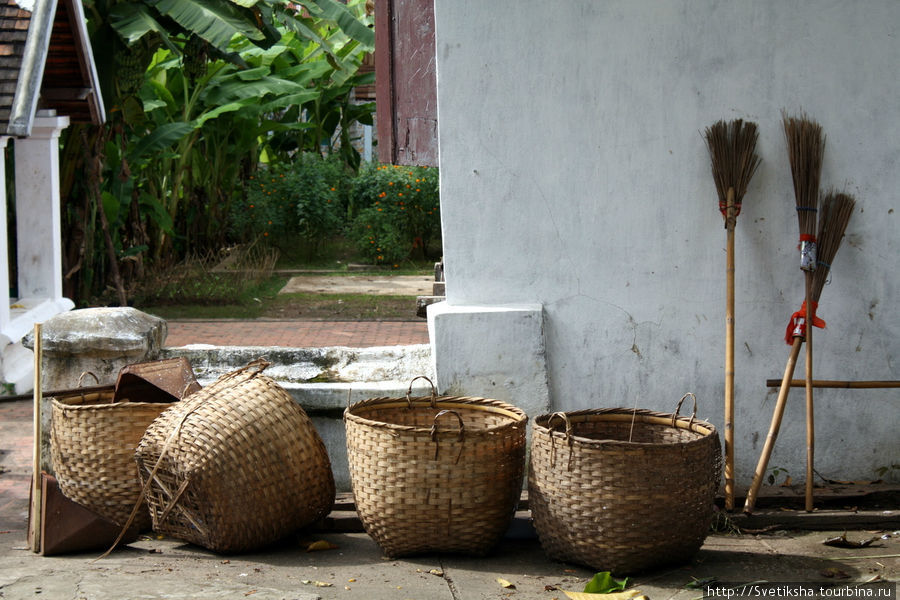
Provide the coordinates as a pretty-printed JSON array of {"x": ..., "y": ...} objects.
[
  {"x": 333, "y": 364},
  {"x": 491, "y": 351}
]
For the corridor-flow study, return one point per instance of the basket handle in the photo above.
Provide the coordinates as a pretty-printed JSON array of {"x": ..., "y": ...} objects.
[
  {"x": 433, "y": 392},
  {"x": 565, "y": 419},
  {"x": 678, "y": 408},
  {"x": 460, "y": 436},
  {"x": 568, "y": 434},
  {"x": 85, "y": 374}
]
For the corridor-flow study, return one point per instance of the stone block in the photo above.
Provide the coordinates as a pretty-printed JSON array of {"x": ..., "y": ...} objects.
[{"x": 96, "y": 340}]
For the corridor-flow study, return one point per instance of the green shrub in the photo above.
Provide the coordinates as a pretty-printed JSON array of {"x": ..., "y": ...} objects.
[
  {"x": 396, "y": 212},
  {"x": 307, "y": 198}
]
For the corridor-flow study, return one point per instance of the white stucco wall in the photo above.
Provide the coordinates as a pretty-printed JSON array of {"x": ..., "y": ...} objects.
[{"x": 574, "y": 176}]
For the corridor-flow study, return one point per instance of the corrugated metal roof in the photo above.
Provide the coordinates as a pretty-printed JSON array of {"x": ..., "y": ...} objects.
[{"x": 46, "y": 63}]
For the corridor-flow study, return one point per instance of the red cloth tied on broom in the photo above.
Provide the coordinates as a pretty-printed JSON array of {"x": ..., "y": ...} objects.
[{"x": 797, "y": 325}]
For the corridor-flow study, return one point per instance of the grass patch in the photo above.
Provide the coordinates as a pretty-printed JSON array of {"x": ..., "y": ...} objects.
[
  {"x": 348, "y": 307},
  {"x": 243, "y": 283}
]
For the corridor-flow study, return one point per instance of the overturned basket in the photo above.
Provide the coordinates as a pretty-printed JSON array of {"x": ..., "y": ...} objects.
[
  {"x": 92, "y": 444},
  {"x": 623, "y": 490},
  {"x": 236, "y": 466},
  {"x": 435, "y": 474}
]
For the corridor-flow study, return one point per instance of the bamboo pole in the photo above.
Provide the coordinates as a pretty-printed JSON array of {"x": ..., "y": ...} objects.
[
  {"x": 839, "y": 384},
  {"x": 36, "y": 500},
  {"x": 729, "y": 354},
  {"x": 810, "y": 404},
  {"x": 780, "y": 404}
]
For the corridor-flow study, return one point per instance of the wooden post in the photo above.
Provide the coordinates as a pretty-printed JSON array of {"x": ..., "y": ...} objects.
[{"x": 36, "y": 501}]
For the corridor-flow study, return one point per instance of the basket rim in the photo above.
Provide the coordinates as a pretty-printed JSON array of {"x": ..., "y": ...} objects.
[
  {"x": 639, "y": 415},
  {"x": 61, "y": 402},
  {"x": 516, "y": 414}
]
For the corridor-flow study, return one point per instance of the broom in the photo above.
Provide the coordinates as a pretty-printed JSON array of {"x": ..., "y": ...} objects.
[
  {"x": 806, "y": 147},
  {"x": 732, "y": 151},
  {"x": 836, "y": 211}
]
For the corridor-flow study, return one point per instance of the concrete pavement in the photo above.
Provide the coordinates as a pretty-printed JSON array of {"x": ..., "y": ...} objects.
[{"x": 355, "y": 568}]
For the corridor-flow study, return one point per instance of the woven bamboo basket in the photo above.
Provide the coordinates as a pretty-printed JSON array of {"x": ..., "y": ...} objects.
[
  {"x": 435, "y": 474},
  {"x": 235, "y": 466},
  {"x": 623, "y": 490},
  {"x": 92, "y": 444}
]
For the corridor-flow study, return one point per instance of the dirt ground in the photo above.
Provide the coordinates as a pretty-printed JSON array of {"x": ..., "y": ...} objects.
[{"x": 350, "y": 297}]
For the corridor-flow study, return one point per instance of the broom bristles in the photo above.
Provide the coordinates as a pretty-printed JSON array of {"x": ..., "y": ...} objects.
[
  {"x": 732, "y": 150},
  {"x": 806, "y": 148},
  {"x": 836, "y": 210}
]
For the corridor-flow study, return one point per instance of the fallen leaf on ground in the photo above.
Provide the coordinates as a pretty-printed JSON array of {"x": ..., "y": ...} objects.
[
  {"x": 627, "y": 595},
  {"x": 699, "y": 584},
  {"x": 320, "y": 545},
  {"x": 506, "y": 584},
  {"x": 787, "y": 482},
  {"x": 550, "y": 588},
  {"x": 604, "y": 583},
  {"x": 835, "y": 573},
  {"x": 436, "y": 572},
  {"x": 841, "y": 541}
]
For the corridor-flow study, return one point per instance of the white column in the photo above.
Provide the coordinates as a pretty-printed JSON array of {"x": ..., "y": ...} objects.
[
  {"x": 38, "y": 209},
  {"x": 4, "y": 253}
]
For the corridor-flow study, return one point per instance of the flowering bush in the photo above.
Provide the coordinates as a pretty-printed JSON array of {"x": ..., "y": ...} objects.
[
  {"x": 306, "y": 198},
  {"x": 396, "y": 212}
]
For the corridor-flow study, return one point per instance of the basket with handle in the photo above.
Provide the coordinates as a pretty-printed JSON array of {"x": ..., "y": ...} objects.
[
  {"x": 92, "y": 444},
  {"x": 623, "y": 490},
  {"x": 236, "y": 466},
  {"x": 435, "y": 473}
]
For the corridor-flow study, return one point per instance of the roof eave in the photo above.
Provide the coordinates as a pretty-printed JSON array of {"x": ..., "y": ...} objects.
[{"x": 31, "y": 73}]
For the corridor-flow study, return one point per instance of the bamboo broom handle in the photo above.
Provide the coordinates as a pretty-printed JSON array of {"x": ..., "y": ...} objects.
[
  {"x": 810, "y": 404},
  {"x": 836, "y": 383},
  {"x": 777, "y": 415},
  {"x": 36, "y": 500},
  {"x": 729, "y": 354}
]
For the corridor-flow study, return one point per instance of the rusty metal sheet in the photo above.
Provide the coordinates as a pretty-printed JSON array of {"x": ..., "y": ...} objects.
[{"x": 167, "y": 380}]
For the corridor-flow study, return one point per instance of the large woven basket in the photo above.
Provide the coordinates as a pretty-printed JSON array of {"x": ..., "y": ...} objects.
[
  {"x": 92, "y": 444},
  {"x": 622, "y": 490},
  {"x": 235, "y": 466},
  {"x": 435, "y": 474}
]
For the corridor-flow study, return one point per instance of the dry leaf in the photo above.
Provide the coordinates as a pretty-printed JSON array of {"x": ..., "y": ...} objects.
[
  {"x": 626, "y": 595},
  {"x": 841, "y": 541},
  {"x": 436, "y": 572},
  {"x": 506, "y": 584},
  {"x": 787, "y": 482},
  {"x": 835, "y": 573},
  {"x": 324, "y": 584},
  {"x": 320, "y": 545}
]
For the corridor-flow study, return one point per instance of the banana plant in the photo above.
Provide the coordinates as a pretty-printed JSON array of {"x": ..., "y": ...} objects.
[{"x": 194, "y": 90}]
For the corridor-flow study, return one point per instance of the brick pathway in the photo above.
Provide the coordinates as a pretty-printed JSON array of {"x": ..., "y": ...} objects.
[
  {"x": 297, "y": 334},
  {"x": 15, "y": 464}
]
